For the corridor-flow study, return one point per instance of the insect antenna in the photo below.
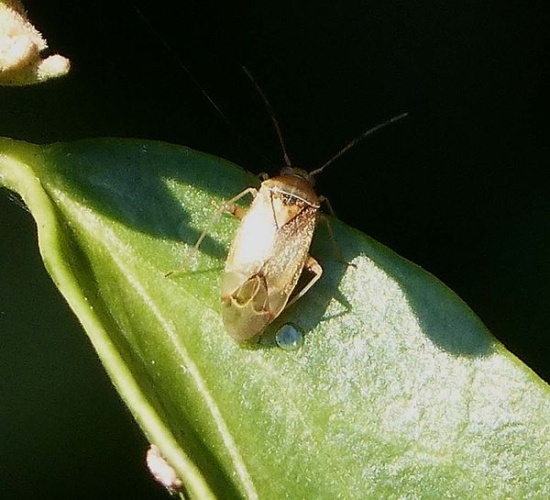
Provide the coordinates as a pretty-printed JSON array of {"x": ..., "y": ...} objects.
[
  {"x": 355, "y": 141},
  {"x": 272, "y": 115},
  {"x": 169, "y": 50},
  {"x": 172, "y": 53}
]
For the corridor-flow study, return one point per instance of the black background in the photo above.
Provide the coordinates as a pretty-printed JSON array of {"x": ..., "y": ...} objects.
[{"x": 460, "y": 187}]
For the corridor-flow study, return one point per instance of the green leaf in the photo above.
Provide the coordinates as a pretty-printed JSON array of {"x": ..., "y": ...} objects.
[{"x": 398, "y": 391}]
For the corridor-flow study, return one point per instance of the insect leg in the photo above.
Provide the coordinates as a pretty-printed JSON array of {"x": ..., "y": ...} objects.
[
  {"x": 313, "y": 267},
  {"x": 335, "y": 246},
  {"x": 228, "y": 206},
  {"x": 326, "y": 201}
]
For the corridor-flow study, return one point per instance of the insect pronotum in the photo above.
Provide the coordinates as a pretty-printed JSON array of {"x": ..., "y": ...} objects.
[{"x": 271, "y": 247}]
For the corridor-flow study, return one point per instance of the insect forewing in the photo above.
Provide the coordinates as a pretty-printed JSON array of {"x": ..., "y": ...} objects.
[{"x": 266, "y": 258}]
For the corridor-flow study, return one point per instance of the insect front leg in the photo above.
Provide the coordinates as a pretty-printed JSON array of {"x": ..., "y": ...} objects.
[
  {"x": 230, "y": 207},
  {"x": 313, "y": 267}
]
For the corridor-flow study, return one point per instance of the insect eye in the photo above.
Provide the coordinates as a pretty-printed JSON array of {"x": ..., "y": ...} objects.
[{"x": 288, "y": 171}]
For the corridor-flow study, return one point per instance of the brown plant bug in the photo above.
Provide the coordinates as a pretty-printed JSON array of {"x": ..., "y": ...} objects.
[{"x": 271, "y": 247}]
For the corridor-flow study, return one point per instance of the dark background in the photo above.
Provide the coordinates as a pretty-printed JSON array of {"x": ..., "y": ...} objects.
[{"x": 460, "y": 187}]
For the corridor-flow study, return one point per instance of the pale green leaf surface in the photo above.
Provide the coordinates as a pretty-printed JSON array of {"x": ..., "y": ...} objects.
[{"x": 398, "y": 392}]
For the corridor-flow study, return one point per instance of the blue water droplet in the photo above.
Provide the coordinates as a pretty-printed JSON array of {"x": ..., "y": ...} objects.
[{"x": 289, "y": 337}]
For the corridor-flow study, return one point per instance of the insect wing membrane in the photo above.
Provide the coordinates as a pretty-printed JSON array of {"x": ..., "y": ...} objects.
[{"x": 290, "y": 253}]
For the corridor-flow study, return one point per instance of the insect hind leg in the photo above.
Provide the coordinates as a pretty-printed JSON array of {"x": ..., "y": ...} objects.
[{"x": 313, "y": 267}]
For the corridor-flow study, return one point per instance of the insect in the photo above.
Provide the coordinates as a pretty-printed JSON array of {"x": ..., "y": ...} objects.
[
  {"x": 269, "y": 252},
  {"x": 271, "y": 248}
]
